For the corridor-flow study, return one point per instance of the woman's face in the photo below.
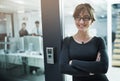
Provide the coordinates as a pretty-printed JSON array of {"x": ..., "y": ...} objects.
[{"x": 83, "y": 21}]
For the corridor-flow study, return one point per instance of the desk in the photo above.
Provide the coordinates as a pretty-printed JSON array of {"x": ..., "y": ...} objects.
[
  {"x": 27, "y": 59},
  {"x": 28, "y": 55}
]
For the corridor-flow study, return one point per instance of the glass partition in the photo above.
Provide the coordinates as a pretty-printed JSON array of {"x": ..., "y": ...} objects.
[
  {"x": 115, "y": 34},
  {"x": 115, "y": 39},
  {"x": 98, "y": 27},
  {"x": 21, "y": 41}
]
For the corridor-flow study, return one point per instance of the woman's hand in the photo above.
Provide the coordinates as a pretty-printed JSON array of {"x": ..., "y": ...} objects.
[
  {"x": 70, "y": 62},
  {"x": 98, "y": 57}
]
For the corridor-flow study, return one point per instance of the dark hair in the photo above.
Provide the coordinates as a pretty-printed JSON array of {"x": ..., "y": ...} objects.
[
  {"x": 81, "y": 8},
  {"x": 36, "y": 22},
  {"x": 23, "y": 23}
]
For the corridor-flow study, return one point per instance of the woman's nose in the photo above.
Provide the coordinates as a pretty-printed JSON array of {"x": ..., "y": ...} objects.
[{"x": 81, "y": 21}]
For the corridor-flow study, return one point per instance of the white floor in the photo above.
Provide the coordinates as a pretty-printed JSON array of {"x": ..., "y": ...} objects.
[{"x": 113, "y": 74}]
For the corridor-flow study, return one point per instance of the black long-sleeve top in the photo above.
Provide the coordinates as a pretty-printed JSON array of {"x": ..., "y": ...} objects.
[
  {"x": 23, "y": 32},
  {"x": 83, "y": 58}
]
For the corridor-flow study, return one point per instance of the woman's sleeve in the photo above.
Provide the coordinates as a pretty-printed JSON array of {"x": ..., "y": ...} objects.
[
  {"x": 65, "y": 68},
  {"x": 94, "y": 66},
  {"x": 27, "y": 32}
]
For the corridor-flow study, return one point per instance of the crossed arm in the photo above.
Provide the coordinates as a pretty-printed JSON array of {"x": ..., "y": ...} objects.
[{"x": 84, "y": 68}]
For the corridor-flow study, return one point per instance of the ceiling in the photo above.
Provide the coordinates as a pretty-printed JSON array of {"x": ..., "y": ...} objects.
[
  {"x": 18, "y": 6},
  {"x": 13, "y": 6},
  {"x": 22, "y": 6},
  {"x": 10, "y": 6}
]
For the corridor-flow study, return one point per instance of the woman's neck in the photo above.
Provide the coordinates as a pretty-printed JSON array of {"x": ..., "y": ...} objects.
[{"x": 82, "y": 37}]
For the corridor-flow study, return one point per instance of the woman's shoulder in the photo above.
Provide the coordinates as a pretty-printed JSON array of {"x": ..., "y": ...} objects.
[
  {"x": 67, "y": 39},
  {"x": 101, "y": 39}
]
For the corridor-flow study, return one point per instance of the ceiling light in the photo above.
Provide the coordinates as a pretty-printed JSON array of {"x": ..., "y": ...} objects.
[
  {"x": 20, "y": 11},
  {"x": 18, "y": 1}
]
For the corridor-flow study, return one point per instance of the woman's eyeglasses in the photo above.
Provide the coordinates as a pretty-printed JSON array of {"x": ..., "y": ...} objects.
[{"x": 86, "y": 18}]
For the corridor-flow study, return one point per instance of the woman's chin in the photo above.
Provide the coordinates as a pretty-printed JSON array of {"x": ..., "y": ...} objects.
[{"x": 81, "y": 29}]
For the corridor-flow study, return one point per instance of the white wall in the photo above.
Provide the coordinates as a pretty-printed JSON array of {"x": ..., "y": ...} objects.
[{"x": 3, "y": 27}]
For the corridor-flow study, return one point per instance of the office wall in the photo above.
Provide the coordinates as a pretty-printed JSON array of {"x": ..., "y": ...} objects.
[{"x": 2, "y": 27}]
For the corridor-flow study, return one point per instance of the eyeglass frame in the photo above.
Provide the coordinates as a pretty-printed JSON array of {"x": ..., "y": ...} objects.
[{"x": 86, "y": 18}]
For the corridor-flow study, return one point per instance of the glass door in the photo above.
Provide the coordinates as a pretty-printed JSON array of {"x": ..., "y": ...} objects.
[
  {"x": 98, "y": 27},
  {"x": 21, "y": 41},
  {"x": 115, "y": 39}
]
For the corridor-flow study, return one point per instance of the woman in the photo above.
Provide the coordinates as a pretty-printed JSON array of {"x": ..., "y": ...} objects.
[
  {"x": 84, "y": 56},
  {"x": 23, "y": 30}
]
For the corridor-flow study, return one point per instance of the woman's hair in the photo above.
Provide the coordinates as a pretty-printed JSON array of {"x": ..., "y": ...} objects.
[
  {"x": 83, "y": 7},
  {"x": 23, "y": 23},
  {"x": 36, "y": 22}
]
